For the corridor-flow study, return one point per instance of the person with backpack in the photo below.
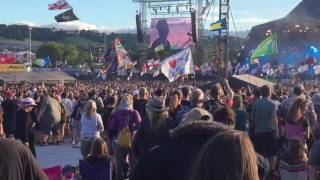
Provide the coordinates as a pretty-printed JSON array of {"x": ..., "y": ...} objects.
[{"x": 124, "y": 123}]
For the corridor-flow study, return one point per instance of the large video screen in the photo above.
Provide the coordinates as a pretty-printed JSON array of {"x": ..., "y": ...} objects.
[{"x": 170, "y": 33}]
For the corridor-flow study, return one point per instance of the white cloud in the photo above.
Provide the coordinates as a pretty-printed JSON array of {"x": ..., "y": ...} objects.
[
  {"x": 78, "y": 25},
  {"x": 251, "y": 20}
]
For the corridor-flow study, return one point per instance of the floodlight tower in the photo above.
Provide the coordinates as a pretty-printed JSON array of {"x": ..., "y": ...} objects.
[
  {"x": 223, "y": 42},
  {"x": 143, "y": 11}
]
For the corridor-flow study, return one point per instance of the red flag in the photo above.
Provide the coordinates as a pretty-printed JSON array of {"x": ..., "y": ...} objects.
[{"x": 61, "y": 4}]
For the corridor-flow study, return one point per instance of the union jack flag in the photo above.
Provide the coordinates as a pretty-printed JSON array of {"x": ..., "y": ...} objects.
[{"x": 59, "y": 5}]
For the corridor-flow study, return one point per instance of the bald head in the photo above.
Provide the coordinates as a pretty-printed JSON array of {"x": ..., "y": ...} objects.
[{"x": 197, "y": 97}]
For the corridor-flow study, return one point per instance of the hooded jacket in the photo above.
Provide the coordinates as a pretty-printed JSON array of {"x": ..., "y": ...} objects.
[
  {"x": 122, "y": 118},
  {"x": 174, "y": 160}
]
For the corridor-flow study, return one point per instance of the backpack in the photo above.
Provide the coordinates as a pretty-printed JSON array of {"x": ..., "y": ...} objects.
[{"x": 124, "y": 138}]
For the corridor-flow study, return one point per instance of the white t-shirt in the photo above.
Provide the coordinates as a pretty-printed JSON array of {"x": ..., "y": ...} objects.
[{"x": 90, "y": 128}]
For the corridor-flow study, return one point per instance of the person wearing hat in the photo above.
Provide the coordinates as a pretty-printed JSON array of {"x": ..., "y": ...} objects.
[
  {"x": 124, "y": 117},
  {"x": 24, "y": 124},
  {"x": 154, "y": 130},
  {"x": 314, "y": 161},
  {"x": 9, "y": 106}
]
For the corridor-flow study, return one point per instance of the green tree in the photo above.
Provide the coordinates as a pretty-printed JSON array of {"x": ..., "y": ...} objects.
[
  {"x": 71, "y": 54},
  {"x": 53, "y": 50},
  {"x": 84, "y": 57}
]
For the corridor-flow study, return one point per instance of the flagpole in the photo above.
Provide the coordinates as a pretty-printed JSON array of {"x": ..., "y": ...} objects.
[{"x": 30, "y": 48}]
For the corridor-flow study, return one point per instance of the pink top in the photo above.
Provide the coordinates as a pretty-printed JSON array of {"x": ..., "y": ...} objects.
[{"x": 295, "y": 131}]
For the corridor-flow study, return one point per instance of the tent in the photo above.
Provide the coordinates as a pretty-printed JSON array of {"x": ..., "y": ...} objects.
[
  {"x": 36, "y": 77},
  {"x": 239, "y": 81}
]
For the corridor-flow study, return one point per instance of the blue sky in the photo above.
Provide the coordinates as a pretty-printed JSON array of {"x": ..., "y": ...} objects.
[{"x": 119, "y": 14}]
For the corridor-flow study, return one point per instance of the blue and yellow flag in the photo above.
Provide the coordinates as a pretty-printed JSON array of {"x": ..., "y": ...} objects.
[{"x": 219, "y": 25}]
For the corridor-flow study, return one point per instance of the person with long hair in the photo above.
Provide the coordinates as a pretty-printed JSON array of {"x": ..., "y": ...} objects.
[
  {"x": 98, "y": 152},
  {"x": 228, "y": 155},
  {"x": 97, "y": 165},
  {"x": 242, "y": 117},
  {"x": 91, "y": 126},
  {"x": 155, "y": 129},
  {"x": 293, "y": 161},
  {"x": 296, "y": 125}
]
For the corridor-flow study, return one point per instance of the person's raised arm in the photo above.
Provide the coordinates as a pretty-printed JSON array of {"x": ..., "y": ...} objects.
[{"x": 228, "y": 89}]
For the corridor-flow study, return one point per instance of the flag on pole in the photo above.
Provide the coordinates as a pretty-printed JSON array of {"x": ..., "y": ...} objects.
[
  {"x": 267, "y": 47},
  {"x": 124, "y": 61},
  {"x": 42, "y": 62},
  {"x": 178, "y": 64},
  {"x": 59, "y": 5},
  {"x": 150, "y": 65},
  {"x": 303, "y": 68},
  {"x": 219, "y": 25},
  {"x": 266, "y": 68},
  {"x": 316, "y": 69},
  {"x": 66, "y": 16}
]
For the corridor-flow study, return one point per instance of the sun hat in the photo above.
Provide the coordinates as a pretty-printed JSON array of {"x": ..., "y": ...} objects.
[
  {"x": 194, "y": 115},
  {"x": 156, "y": 104},
  {"x": 28, "y": 102}
]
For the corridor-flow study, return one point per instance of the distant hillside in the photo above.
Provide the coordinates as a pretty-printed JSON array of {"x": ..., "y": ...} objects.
[{"x": 16, "y": 36}]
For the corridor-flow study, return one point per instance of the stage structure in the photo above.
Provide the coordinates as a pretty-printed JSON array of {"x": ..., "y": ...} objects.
[
  {"x": 298, "y": 39},
  {"x": 174, "y": 8}
]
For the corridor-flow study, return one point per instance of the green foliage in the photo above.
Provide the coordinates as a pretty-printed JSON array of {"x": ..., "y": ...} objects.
[
  {"x": 54, "y": 50},
  {"x": 71, "y": 54}
]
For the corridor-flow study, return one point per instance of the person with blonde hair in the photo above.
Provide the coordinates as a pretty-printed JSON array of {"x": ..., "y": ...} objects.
[
  {"x": 91, "y": 126},
  {"x": 1, "y": 121},
  {"x": 228, "y": 155}
]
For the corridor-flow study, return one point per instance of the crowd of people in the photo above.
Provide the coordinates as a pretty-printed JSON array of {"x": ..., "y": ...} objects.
[{"x": 156, "y": 130}]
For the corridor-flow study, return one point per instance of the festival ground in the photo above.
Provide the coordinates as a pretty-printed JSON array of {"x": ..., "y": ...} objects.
[{"x": 55, "y": 155}]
